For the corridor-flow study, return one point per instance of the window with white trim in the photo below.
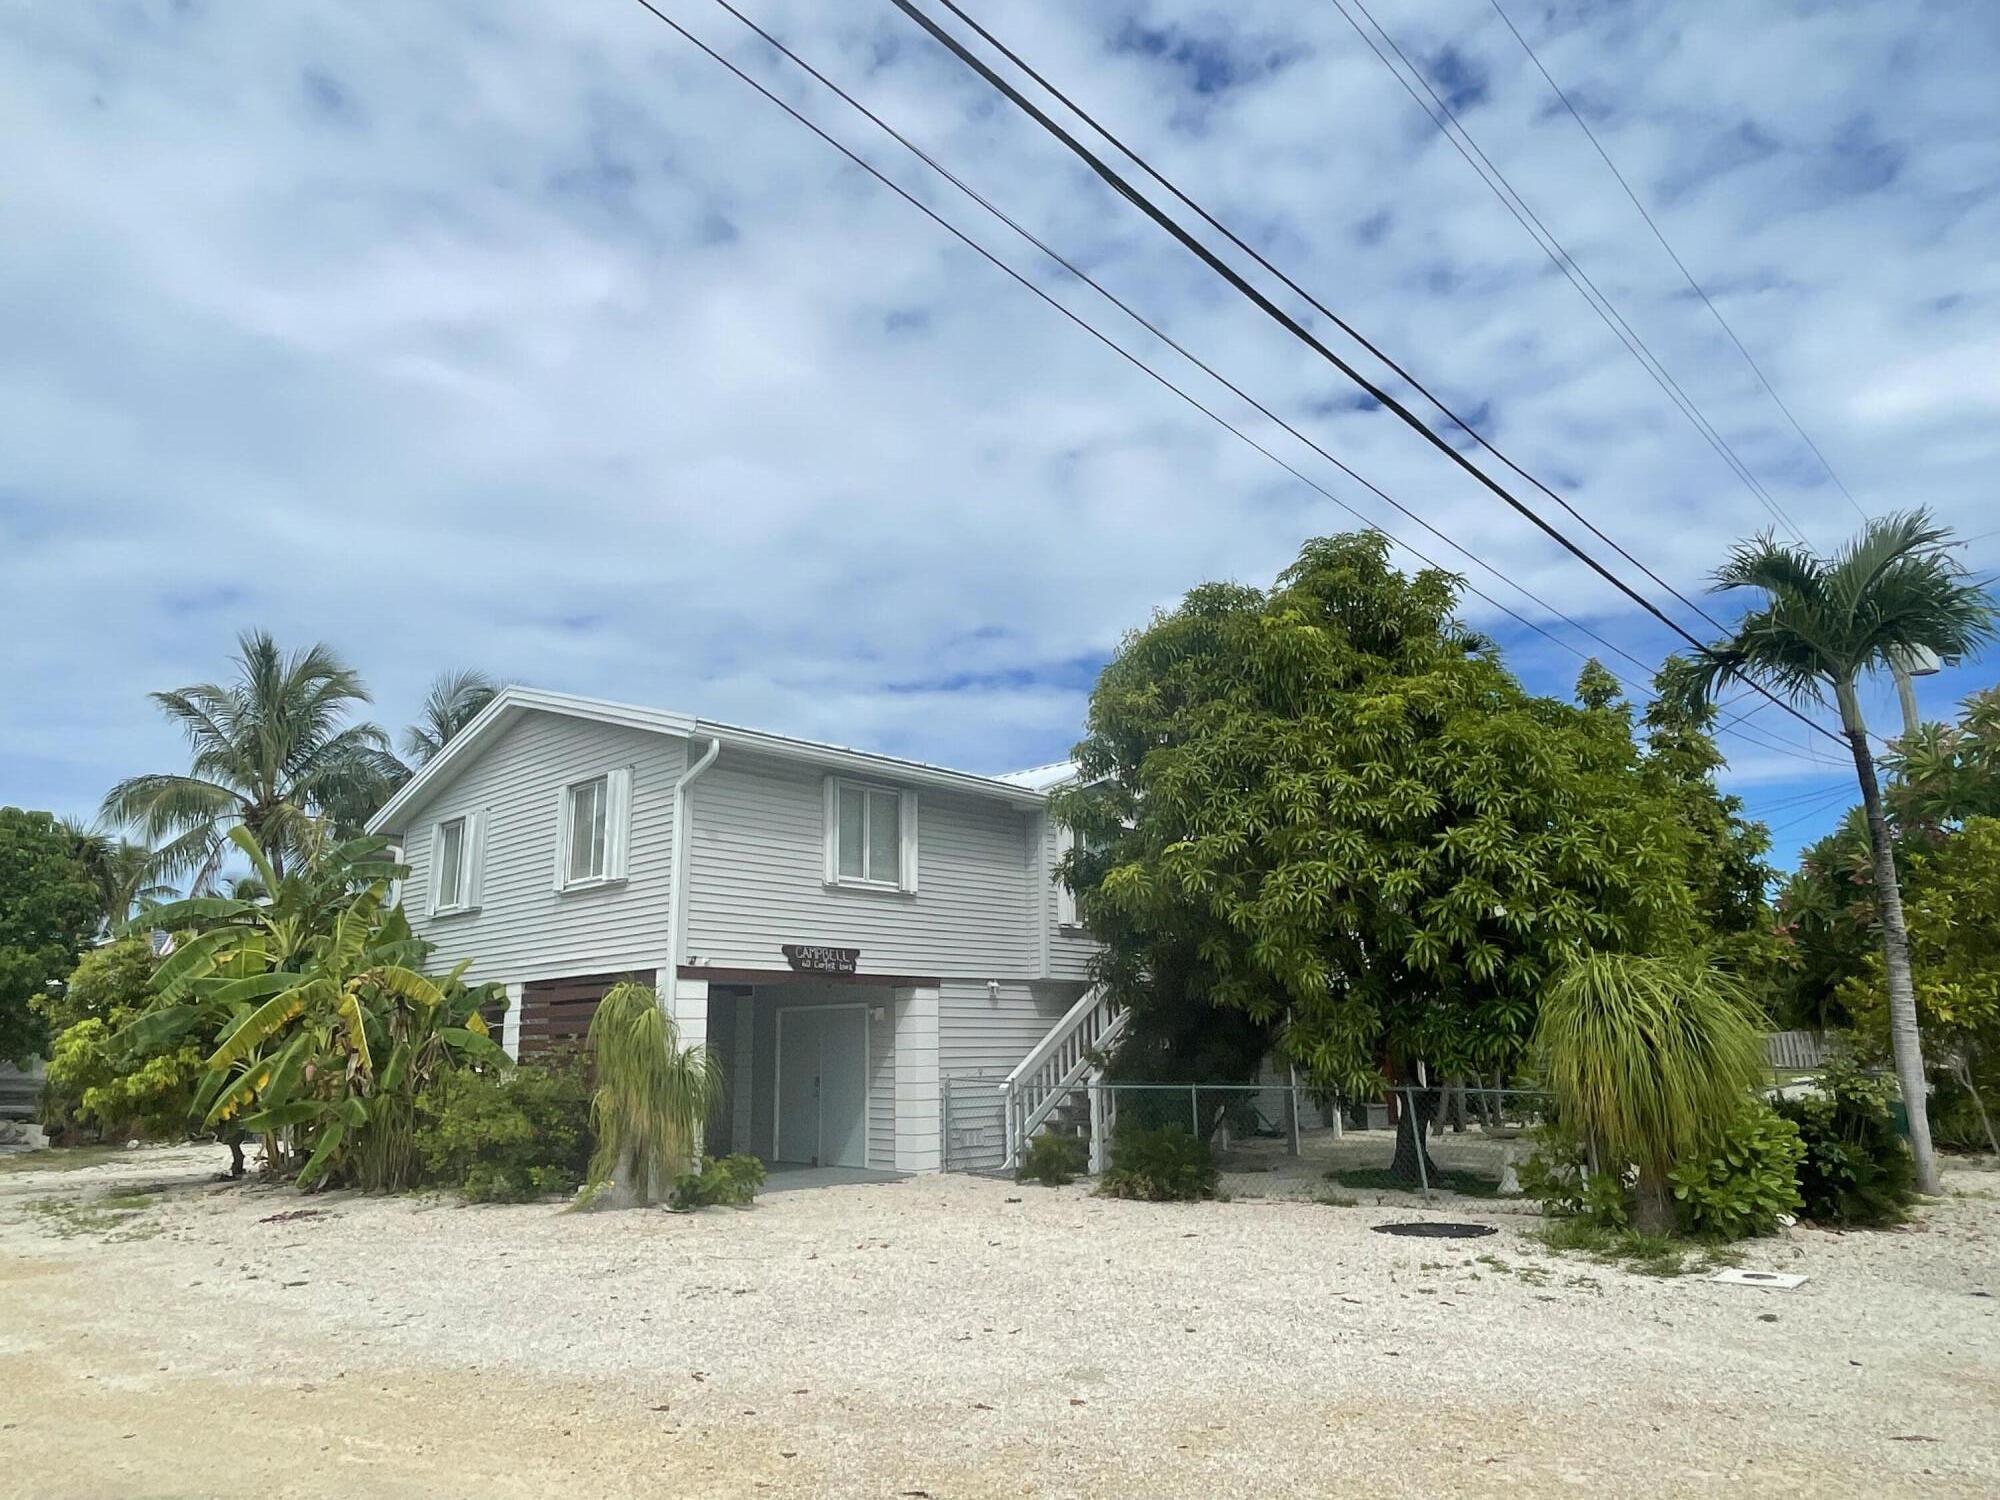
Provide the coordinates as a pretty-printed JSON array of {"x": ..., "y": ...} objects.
[
  {"x": 455, "y": 855},
  {"x": 871, "y": 835},
  {"x": 591, "y": 830},
  {"x": 1067, "y": 913}
]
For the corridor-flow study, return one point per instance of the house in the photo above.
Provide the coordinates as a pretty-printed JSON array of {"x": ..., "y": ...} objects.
[{"x": 861, "y": 941}]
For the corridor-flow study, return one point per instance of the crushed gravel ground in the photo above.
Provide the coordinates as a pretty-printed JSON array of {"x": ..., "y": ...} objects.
[{"x": 162, "y": 1334}]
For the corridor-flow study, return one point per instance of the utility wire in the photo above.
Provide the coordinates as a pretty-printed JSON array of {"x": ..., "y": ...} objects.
[
  {"x": 1310, "y": 300},
  {"x": 965, "y": 239},
  {"x": 1558, "y": 254},
  {"x": 1672, "y": 254},
  {"x": 1181, "y": 349},
  {"x": 1306, "y": 336}
]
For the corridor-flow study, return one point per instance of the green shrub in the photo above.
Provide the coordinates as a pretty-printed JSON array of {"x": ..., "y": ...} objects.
[
  {"x": 1051, "y": 1160},
  {"x": 1558, "y": 1176},
  {"x": 506, "y": 1136},
  {"x": 1956, "y": 1121},
  {"x": 1746, "y": 1185},
  {"x": 732, "y": 1181},
  {"x": 1857, "y": 1170},
  {"x": 1162, "y": 1165}
]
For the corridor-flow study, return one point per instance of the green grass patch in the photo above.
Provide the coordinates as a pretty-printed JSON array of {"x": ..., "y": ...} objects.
[
  {"x": 116, "y": 1216},
  {"x": 59, "y": 1158},
  {"x": 1643, "y": 1254},
  {"x": 1447, "y": 1180}
]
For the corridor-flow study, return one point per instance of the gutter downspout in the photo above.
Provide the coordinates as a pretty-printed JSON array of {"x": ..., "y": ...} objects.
[{"x": 677, "y": 871}]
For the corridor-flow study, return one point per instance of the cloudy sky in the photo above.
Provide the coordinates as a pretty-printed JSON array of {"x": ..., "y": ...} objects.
[{"x": 519, "y": 335}]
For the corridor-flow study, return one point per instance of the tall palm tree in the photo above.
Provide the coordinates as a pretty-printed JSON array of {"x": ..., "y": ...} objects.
[
  {"x": 121, "y": 869},
  {"x": 454, "y": 700},
  {"x": 273, "y": 752},
  {"x": 1824, "y": 624}
]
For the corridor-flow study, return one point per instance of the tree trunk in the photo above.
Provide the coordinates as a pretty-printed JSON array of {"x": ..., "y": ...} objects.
[
  {"x": 1653, "y": 1208},
  {"x": 1904, "y": 1041},
  {"x": 235, "y": 1158}
]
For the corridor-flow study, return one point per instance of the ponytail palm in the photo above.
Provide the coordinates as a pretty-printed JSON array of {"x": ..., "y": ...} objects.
[
  {"x": 1825, "y": 623},
  {"x": 652, "y": 1098},
  {"x": 1648, "y": 1058},
  {"x": 273, "y": 752}
]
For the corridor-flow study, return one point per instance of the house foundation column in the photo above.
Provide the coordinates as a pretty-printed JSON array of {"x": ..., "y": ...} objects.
[
  {"x": 510, "y": 1024},
  {"x": 919, "y": 1139}
]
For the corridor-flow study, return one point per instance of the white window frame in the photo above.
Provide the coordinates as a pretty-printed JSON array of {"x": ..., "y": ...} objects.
[
  {"x": 906, "y": 836},
  {"x": 1067, "y": 914},
  {"x": 617, "y": 829},
  {"x": 471, "y": 863}
]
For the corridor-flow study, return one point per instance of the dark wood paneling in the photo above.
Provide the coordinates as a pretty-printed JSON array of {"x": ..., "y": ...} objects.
[{"x": 555, "y": 1013}]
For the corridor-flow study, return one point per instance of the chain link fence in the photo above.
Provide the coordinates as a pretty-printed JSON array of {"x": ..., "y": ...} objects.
[{"x": 1279, "y": 1140}]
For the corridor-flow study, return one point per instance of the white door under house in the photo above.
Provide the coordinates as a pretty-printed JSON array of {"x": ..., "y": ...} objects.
[{"x": 822, "y": 1093}]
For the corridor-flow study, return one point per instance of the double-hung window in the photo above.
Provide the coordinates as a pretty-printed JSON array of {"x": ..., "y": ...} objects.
[
  {"x": 455, "y": 860},
  {"x": 871, "y": 835},
  {"x": 591, "y": 830}
]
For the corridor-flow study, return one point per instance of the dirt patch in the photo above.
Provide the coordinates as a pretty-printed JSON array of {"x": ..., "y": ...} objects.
[{"x": 959, "y": 1337}]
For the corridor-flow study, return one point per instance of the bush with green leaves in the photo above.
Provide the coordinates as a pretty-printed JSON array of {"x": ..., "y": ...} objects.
[
  {"x": 1558, "y": 1175},
  {"x": 506, "y": 1135},
  {"x": 1747, "y": 1184},
  {"x": 97, "y": 1084},
  {"x": 729, "y": 1181},
  {"x": 1161, "y": 1165},
  {"x": 1857, "y": 1171},
  {"x": 1052, "y": 1160}
]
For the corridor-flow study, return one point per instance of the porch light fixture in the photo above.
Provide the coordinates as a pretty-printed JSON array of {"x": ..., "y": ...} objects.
[{"x": 993, "y": 990}]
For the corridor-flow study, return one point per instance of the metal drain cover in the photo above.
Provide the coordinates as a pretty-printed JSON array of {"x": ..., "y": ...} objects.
[{"x": 1432, "y": 1230}]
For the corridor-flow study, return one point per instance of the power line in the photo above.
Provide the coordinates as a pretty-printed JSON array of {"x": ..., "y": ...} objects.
[
  {"x": 1305, "y": 336},
  {"x": 1314, "y": 302},
  {"x": 1559, "y": 255},
  {"x": 1181, "y": 349},
  {"x": 964, "y": 238},
  {"x": 1672, "y": 254}
]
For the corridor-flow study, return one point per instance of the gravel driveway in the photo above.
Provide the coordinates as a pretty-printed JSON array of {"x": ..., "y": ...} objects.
[{"x": 164, "y": 1335}]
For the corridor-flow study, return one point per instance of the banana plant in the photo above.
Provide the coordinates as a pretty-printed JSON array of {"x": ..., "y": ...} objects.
[{"x": 325, "y": 1028}]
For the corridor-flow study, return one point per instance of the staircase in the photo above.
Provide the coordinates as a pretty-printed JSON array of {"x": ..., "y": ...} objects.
[{"x": 1053, "y": 1087}]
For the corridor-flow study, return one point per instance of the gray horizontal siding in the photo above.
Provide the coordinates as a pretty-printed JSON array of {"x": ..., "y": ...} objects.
[
  {"x": 978, "y": 1033},
  {"x": 524, "y": 928},
  {"x": 757, "y": 882}
]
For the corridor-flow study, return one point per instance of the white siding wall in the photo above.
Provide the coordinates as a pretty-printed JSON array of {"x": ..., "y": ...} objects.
[
  {"x": 757, "y": 880},
  {"x": 524, "y": 928},
  {"x": 978, "y": 1033}
]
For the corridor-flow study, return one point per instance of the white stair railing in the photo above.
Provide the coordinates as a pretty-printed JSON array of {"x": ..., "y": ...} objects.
[{"x": 1056, "y": 1065}]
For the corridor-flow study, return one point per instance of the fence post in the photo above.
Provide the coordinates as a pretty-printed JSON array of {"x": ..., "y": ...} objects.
[
  {"x": 944, "y": 1123},
  {"x": 1417, "y": 1135},
  {"x": 1097, "y": 1128},
  {"x": 1292, "y": 1099}
]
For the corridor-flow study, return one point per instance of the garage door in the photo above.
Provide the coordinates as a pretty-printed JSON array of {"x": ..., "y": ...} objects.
[{"x": 823, "y": 1085}]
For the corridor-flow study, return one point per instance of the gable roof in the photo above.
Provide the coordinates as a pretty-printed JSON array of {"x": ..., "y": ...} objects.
[
  {"x": 1042, "y": 778},
  {"x": 512, "y": 702}
]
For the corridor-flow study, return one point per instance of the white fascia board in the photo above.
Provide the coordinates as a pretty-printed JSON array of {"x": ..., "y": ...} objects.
[{"x": 863, "y": 763}]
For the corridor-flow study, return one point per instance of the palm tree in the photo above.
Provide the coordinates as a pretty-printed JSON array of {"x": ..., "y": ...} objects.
[
  {"x": 652, "y": 1098},
  {"x": 1648, "y": 1057},
  {"x": 454, "y": 700},
  {"x": 1825, "y": 622},
  {"x": 121, "y": 870},
  {"x": 273, "y": 752}
]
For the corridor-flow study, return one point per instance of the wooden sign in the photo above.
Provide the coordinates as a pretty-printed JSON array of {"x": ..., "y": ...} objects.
[{"x": 817, "y": 958}]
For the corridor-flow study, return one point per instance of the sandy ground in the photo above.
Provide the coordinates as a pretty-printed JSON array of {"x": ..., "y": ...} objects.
[{"x": 164, "y": 1335}]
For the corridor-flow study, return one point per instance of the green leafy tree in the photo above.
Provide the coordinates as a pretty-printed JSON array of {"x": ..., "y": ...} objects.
[
  {"x": 1649, "y": 1057},
  {"x": 1825, "y": 623},
  {"x": 652, "y": 1098},
  {"x": 454, "y": 701},
  {"x": 121, "y": 869},
  {"x": 96, "y": 1084},
  {"x": 49, "y": 909},
  {"x": 1328, "y": 809},
  {"x": 274, "y": 752}
]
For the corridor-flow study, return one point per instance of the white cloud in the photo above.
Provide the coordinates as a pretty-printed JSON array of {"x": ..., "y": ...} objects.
[{"x": 522, "y": 336}]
